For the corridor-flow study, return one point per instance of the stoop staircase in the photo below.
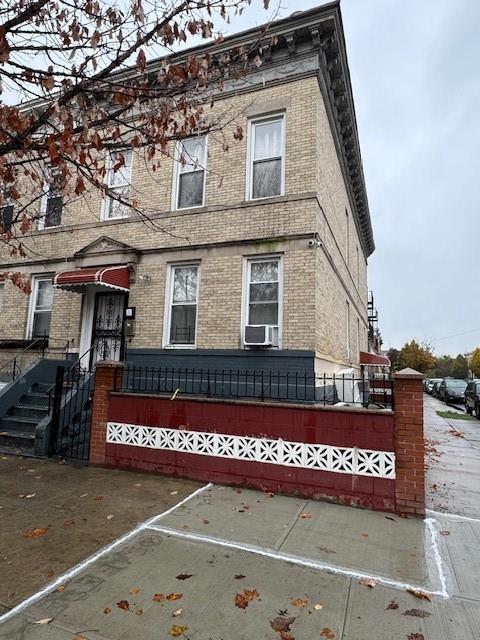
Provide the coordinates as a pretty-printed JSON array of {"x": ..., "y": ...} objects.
[{"x": 17, "y": 427}]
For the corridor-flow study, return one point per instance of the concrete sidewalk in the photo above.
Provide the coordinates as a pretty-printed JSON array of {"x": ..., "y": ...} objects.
[
  {"x": 305, "y": 560},
  {"x": 298, "y": 569}
]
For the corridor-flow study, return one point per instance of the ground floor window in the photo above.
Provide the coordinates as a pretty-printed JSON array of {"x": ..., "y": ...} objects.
[
  {"x": 41, "y": 300},
  {"x": 263, "y": 294},
  {"x": 182, "y": 312}
]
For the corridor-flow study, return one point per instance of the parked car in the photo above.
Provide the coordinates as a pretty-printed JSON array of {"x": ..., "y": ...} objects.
[
  {"x": 452, "y": 390},
  {"x": 435, "y": 388},
  {"x": 430, "y": 383},
  {"x": 472, "y": 398}
]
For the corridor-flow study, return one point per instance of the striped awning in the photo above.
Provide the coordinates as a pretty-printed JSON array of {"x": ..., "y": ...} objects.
[
  {"x": 109, "y": 277},
  {"x": 374, "y": 359}
]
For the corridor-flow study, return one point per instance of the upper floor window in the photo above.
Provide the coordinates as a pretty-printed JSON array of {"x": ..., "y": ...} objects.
[
  {"x": 347, "y": 333},
  {"x": 263, "y": 293},
  {"x": 2, "y": 293},
  {"x": 190, "y": 172},
  {"x": 51, "y": 204},
  {"x": 41, "y": 299},
  {"x": 182, "y": 308},
  {"x": 266, "y": 158},
  {"x": 118, "y": 179},
  {"x": 6, "y": 217}
]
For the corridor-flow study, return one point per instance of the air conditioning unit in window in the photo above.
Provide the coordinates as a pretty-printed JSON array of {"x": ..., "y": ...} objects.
[{"x": 259, "y": 335}]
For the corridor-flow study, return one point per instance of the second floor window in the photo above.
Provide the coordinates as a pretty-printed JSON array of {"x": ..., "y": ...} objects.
[
  {"x": 183, "y": 305},
  {"x": 118, "y": 179},
  {"x": 6, "y": 218},
  {"x": 52, "y": 203},
  {"x": 41, "y": 300},
  {"x": 266, "y": 158},
  {"x": 190, "y": 168}
]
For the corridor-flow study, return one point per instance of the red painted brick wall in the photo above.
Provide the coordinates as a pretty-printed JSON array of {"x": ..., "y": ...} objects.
[
  {"x": 338, "y": 427},
  {"x": 409, "y": 443},
  {"x": 104, "y": 383}
]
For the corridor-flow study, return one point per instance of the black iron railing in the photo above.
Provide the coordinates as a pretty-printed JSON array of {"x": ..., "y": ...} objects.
[
  {"x": 70, "y": 406},
  {"x": 290, "y": 386},
  {"x": 17, "y": 363}
]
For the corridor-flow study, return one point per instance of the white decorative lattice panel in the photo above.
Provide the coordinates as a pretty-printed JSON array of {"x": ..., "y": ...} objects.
[{"x": 322, "y": 457}]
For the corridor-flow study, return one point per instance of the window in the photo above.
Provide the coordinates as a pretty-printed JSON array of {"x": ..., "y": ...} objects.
[
  {"x": 182, "y": 312},
  {"x": 6, "y": 218},
  {"x": 358, "y": 339},
  {"x": 266, "y": 158},
  {"x": 263, "y": 293},
  {"x": 52, "y": 203},
  {"x": 40, "y": 307},
  {"x": 118, "y": 179},
  {"x": 347, "y": 238},
  {"x": 347, "y": 320},
  {"x": 190, "y": 170},
  {"x": 358, "y": 268},
  {"x": 2, "y": 293}
]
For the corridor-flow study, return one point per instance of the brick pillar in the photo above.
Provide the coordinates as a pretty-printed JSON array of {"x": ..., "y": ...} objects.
[
  {"x": 409, "y": 442},
  {"x": 105, "y": 373}
]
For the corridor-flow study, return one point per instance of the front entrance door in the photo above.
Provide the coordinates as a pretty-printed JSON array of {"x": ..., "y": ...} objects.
[{"x": 107, "y": 330}]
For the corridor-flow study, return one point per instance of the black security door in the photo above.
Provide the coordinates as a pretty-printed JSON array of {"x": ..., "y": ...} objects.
[{"x": 107, "y": 336}]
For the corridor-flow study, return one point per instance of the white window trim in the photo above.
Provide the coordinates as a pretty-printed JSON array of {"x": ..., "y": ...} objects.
[
  {"x": 128, "y": 182},
  {"x": 168, "y": 306},
  {"x": 247, "y": 261},
  {"x": 177, "y": 165},
  {"x": 43, "y": 209},
  {"x": 31, "y": 303},
  {"x": 348, "y": 336},
  {"x": 250, "y": 143}
]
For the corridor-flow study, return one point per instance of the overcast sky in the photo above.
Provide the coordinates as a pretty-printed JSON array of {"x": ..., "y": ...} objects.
[{"x": 416, "y": 84}]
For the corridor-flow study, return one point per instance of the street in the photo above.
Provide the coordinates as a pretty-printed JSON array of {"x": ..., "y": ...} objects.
[{"x": 229, "y": 564}]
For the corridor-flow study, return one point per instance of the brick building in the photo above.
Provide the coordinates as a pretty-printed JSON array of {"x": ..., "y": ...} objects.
[{"x": 258, "y": 254}]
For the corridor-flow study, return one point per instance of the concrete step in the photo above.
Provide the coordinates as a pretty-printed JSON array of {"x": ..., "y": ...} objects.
[
  {"x": 29, "y": 411},
  {"x": 37, "y": 399},
  {"x": 17, "y": 442},
  {"x": 40, "y": 387},
  {"x": 18, "y": 424}
]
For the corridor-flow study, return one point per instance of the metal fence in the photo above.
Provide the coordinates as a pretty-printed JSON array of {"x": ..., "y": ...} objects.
[{"x": 290, "y": 386}]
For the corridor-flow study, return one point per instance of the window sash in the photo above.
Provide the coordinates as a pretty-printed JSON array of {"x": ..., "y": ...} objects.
[
  {"x": 52, "y": 204},
  {"x": 183, "y": 310},
  {"x": 6, "y": 217},
  {"x": 261, "y": 157},
  {"x": 190, "y": 160},
  {"x": 272, "y": 303},
  {"x": 40, "y": 310},
  {"x": 118, "y": 182}
]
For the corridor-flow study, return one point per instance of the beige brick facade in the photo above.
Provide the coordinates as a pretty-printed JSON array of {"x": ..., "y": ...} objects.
[{"x": 318, "y": 281}]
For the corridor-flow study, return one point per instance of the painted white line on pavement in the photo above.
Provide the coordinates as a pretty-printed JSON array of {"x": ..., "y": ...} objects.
[
  {"x": 430, "y": 524},
  {"x": 299, "y": 560},
  {"x": 96, "y": 556},
  {"x": 453, "y": 516}
]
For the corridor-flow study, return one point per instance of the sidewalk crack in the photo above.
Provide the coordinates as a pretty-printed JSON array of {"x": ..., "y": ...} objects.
[{"x": 289, "y": 529}]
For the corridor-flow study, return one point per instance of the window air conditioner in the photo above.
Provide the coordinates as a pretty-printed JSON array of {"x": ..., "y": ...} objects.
[{"x": 259, "y": 335}]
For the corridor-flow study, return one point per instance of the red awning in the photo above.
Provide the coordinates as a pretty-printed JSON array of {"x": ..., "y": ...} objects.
[
  {"x": 109, "y": 277},
  {"x": 373, "y": 359}
]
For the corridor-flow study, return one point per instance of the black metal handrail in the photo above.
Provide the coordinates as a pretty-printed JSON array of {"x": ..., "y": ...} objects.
[
  {"x": 13, "y": 361},
  {"x": 62, "y": 372}
]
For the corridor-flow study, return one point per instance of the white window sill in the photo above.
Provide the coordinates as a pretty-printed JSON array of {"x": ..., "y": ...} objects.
[{"x": 179, "y": 346}]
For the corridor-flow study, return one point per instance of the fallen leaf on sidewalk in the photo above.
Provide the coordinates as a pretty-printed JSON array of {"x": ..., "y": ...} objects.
[
  {"x": 174, "y": 596},
  {"x": 98, "y": 498},
  {"x": 389, "y": 518},
  {"x": 27, "y": 496},
  {"x": 364, "y": 535},
  {"x": 110, "y": 517},
  {"x": 77, "y": 637},
  {"x": 184, "y": 576},
  {"x": 239, "y": 576},
  {"x": 327, "y": 633},
  {"x": 158, "y": 597},
  {"x": 326, "y": 550},
  {"x": 173, "y": 493},
  {"x": 393, "y": 605},
  {"x": 369, "y": 582},
  {"x": 139, "y": 612},
  {"x": 457, "y": 434},
  {"x": 318, "y": 606},
  {"x": 84, "y": 495},
  {"x": 281, "y": 624},
  {"x": 417, "y": 613},
  {"x": 61, "y": 588},
  {"x": 206, "y": 521},
  {"x": 299, "y": 602},
  {"x": 178, "y": 630},
  {"x": 305, "y": 515},
  {"x": 107, "y": 610},
  {"x": 177, "y": 612},
  {"x": 43, "y": 621},
  {"x": 134, "y": 590},
  {"x": 242, "y": 600},
  {"x": 444, "y": 533},
  {"x": 68, "y": 523},
  {"x": 269, "y": 494},
  {"x": 35, "y": 533},
  {"x": 415, "y": 636},
  {"x": 124, "y": 604},
  {"x": 420, "y": 594}
]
